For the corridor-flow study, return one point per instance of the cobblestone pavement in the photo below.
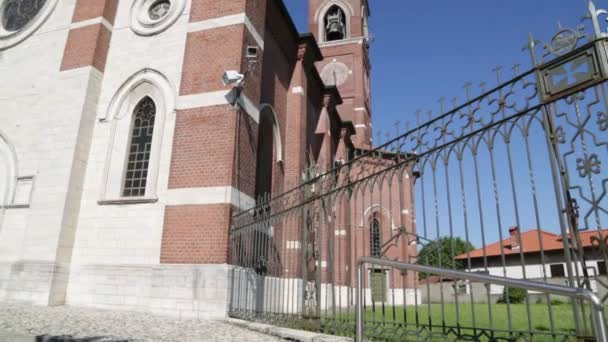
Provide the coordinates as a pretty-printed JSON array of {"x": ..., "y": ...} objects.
[{"x": 101, "y": 325}]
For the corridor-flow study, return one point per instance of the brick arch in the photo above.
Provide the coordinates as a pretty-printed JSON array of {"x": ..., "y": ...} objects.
[
  {"x": 270, "y": 148},
  {"x": 268, "y": 111}
]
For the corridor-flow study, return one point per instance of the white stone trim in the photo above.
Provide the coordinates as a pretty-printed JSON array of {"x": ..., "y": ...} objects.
[
  {"x": 342, "y": 42},
  {"x": 23, "y": 191},
  {"x": 378, "y": 208},
  {"x": 143, "y": 25},
  {"x": 341, "y": 232},
  {"x": 276, "y": 131},
  {"x": 292, "y": 244},
  {"x": 209, "y": 99},
  {"x": 99, "y": 20},
  {"x": 10, "y": 39},
  {"x": 146, "y": 82},
  {"x": 229, "y": 20},
  {"x": 8, "y": 157},
  {"x": 360, "y": 109},
  {"x": 209, "y": 195},
  {"x": 218, "y": 98},
  {"x": 298, "y": 90},
  {"x": 256, "y": 35},
  {"x": 360, "y": 126},
  {"x": 323, "y": 263},
  {"x": 322, "y": 11}
]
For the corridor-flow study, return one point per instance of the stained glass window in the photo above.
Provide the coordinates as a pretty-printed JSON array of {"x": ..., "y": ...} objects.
[
  {"x": 159, "y": 9},
  {"x": 139, "y": 149},
  {"x": 16, "y": 14}
]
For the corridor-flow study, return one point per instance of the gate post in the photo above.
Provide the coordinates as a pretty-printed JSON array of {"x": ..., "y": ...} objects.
[{"x": 360, "y": 320}]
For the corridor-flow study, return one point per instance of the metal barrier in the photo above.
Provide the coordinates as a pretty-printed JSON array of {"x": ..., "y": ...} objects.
[
  {"x": 509, "y": 181},
  {"x": 599, "y": 325}
]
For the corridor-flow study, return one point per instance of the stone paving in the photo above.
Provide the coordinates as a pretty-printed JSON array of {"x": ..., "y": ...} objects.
[{"x": 104, "y": 326}]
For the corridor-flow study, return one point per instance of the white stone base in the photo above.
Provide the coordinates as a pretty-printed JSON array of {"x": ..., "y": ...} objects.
[
  {"x": 33, "y": 282},
  {"x": 184, "y": 291},
  {"x": 255, "y": 293}
]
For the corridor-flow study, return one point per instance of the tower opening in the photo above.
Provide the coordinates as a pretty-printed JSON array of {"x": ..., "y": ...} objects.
[{"x": 335, "y": 24}]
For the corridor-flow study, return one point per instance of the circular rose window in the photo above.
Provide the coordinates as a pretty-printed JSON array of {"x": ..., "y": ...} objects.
[
  {"x": 160, "y": 9},
  {"x": 18, "y": 13},
  {"x": 20, "y": 18},
  {"x": 149, "y": 17}
]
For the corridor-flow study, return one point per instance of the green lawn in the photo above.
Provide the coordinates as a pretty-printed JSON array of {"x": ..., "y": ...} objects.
[
  {"x": 498, "y": 319},
  {"x": 480, "y": 315}
]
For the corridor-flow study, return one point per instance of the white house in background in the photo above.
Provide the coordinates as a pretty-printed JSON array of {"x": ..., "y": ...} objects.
[{"x": 535, "y": 254}]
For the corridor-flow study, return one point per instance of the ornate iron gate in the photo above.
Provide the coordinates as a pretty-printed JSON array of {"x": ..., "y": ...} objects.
[{"x": 512, "y": 182}]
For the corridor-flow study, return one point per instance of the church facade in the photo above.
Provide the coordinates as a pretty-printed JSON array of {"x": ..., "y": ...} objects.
[{"x": 131, "y": 131}]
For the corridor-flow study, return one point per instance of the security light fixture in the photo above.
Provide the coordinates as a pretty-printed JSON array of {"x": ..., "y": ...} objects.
[{"x": 232, "y": 77}]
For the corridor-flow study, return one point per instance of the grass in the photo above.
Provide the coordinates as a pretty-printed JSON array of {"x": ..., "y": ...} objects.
[
  {"x": 410, "y": 323},
  {"x": 498, "y": 320},
  {"x": 495, "y": 317}
]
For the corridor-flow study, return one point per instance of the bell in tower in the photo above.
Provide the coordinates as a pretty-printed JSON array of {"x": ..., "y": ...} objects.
[{"x": 335, "y": 24}]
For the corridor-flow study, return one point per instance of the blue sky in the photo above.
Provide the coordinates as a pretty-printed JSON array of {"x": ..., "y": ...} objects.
[{"x": 424, "y": 50}]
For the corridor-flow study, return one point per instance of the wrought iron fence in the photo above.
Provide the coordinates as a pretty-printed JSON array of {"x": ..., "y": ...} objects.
[
  {"x": 594, "y": 302},
  {"x": 509, "y": 183}
]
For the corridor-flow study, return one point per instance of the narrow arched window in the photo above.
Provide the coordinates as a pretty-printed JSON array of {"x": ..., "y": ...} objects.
[
  {"x": 140, "y": 146},
  {"x": 265, "y": 155},
  {"x": 335, "y": 24},
  {"x": 374, "y": 238}
]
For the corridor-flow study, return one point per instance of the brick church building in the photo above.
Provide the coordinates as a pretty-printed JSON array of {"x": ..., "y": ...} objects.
[{"x": 131, "y": 130}]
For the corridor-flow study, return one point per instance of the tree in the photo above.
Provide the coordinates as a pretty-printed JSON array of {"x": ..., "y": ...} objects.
[{"x": 442, "y": 252}]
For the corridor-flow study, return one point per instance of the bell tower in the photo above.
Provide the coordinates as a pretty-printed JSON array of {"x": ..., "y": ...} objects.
[{"x": 341, "y": 29}]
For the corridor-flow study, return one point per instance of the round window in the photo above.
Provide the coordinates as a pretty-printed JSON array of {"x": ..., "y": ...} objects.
[
  {"x": 159, "y": 9},
  {"x": 16, "y": 14},
  {"x": 150, "y": 17}
]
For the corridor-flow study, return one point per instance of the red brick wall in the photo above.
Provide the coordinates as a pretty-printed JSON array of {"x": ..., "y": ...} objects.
[
  {"x": 208, "y": 54},
  {"x": 89, "y": 45},
  {"x": 280, "y": 50},
  {"x": 90, "y": 9},
  {"x": 208, "y": 9},
  {"x": 196, "y": 234},
  {"x": 208, "y": 148}
]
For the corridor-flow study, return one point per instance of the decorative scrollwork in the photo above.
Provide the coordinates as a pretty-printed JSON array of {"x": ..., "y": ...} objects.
[
  {"x": 560, "y": 135},
  {"x": 588, "y": 165},
  {"x": 565, "y": 40},
  {"x": 602, "y": 121}
]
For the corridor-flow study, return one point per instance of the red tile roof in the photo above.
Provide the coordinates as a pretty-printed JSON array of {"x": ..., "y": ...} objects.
[{"x": 530, "y": 243}]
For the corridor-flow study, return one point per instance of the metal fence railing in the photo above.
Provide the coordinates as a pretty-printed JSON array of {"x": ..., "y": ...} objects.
[
  {"x": 510, "y": 183},
  {"x": 595, "y": 303}
]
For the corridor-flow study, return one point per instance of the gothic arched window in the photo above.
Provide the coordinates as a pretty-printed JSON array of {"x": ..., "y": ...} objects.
[
  {"x": 335, "y": 24},
  {"x": 140, "y": 146},
  {"x": 374, "y": 238}
]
